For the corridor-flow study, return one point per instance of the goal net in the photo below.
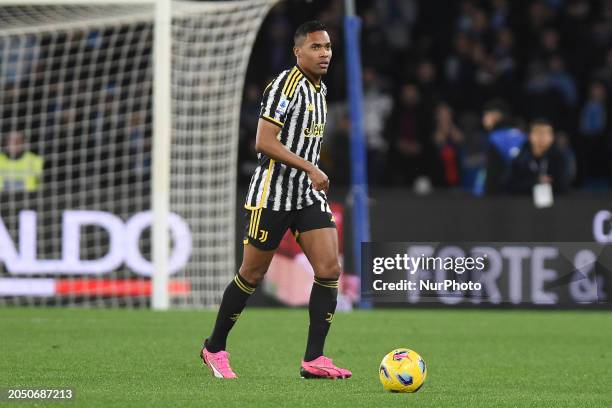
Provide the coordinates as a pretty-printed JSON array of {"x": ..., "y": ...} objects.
[{"x": 76, "y": 109}]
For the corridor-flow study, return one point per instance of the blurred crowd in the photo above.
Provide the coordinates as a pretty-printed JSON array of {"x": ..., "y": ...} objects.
[
  {"x": 457, "y": 94},
  {"x": 75, "y": 114}
]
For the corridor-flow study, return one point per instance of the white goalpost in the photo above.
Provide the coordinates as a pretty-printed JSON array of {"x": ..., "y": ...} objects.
[
  {"x": 162, "y": 128},
  {"x": 118, "y": 149}
]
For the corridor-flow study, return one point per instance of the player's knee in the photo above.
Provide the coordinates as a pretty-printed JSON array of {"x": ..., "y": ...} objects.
[
  {"x": 330, "y": 270},
  {"x": 253, "y": 275}
]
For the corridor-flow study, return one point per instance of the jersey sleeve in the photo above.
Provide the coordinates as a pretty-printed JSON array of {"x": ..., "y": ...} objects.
[{"x": 277, "y": 97}]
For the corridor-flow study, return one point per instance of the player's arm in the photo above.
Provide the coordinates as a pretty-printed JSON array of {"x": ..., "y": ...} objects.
[{"x": 267, "y": 143}]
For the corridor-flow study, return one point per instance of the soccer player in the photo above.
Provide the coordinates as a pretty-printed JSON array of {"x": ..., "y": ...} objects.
[{"x": 287, "y": 190}]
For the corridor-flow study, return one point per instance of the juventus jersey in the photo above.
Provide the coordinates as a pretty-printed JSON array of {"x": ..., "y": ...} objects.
[{"x": 298, "y": 107}]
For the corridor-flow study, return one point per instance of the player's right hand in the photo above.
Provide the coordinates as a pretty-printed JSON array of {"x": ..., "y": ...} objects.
[{"x": 319, "y": 179}]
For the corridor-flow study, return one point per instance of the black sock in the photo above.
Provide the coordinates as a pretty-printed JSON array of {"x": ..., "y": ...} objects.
[
  {"x": 234, "y": 299},
  {"x": 322, "y": 306}
]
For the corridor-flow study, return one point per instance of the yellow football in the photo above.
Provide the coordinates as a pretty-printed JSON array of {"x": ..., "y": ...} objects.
[{"x": 402, "y": 370}]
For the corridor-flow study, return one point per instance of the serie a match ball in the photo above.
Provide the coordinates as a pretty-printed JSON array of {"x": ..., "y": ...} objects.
[{"x": 402, "y": 370}]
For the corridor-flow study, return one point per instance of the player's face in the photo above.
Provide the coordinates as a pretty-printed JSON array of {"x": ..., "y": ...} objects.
[{"x": 314, "y": 54}]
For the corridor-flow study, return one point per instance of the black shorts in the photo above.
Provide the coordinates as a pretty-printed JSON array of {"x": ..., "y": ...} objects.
[{"x": 265, "y": 228}]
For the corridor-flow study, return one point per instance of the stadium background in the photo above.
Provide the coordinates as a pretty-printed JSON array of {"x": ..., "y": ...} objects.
[
  {"x": 427, "y": 65},
  {"x": 429, "y": 69},
  {"x": 548, "y": 59}
]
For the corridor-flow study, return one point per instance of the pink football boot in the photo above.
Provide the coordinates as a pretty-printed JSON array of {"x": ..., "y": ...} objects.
[
  {"x": 218, "y": 363},
  {"x": 322, "y": 367}
]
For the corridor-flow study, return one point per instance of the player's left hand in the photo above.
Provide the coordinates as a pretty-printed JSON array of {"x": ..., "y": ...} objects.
[{"x": 319, "y": 179}]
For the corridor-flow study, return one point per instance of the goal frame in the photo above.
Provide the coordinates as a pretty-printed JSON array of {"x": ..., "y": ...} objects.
[{"x": 162, "y": 130}]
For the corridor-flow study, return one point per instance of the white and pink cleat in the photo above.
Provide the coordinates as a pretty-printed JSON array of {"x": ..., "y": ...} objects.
[{"x": 218, "y": 363}]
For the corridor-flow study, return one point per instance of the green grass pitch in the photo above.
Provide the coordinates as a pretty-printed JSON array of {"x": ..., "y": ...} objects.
[{"x": 476, "y": 358}]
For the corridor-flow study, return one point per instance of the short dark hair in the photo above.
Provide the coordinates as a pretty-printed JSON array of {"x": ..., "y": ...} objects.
[
  {"x": 308, "y": 27},
  {"x": 540, "y": 122},
  {"x": 498, "y": 105}
]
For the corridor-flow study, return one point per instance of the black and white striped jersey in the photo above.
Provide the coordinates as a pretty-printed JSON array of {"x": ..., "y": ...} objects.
[{"x": 298, "y": 107}]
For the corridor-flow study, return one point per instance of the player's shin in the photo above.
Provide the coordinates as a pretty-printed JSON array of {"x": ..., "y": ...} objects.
[
  {"x": 322, "y": 306},
  {"x": 234, "y": 299}
]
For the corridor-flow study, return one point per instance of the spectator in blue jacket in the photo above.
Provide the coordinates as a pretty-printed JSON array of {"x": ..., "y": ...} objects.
[
  {"x": 504, "y": 142},
  {"x": 593, "y": 131}
]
